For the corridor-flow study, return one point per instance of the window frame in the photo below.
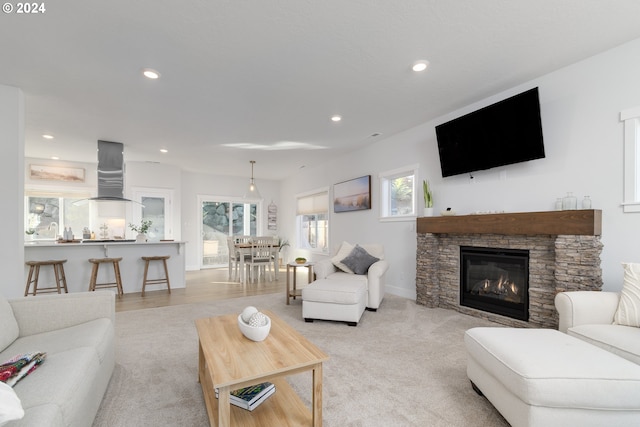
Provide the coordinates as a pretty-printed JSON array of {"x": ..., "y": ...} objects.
[
  {"x": 631, "y": 185},
  {"x": 78, "y": 193},
  {"x": 385, "y": 197},
  {"x": 231, "y": 201},
  {"x": 299, "y": 224},
  {"x": 161, "y": 193}
]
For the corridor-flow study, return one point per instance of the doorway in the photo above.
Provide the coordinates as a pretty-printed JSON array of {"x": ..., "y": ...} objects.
[{"x": 222, "y": 218}]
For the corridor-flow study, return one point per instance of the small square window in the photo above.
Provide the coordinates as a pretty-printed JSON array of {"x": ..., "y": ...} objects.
[{"x": 398, "y": 195}]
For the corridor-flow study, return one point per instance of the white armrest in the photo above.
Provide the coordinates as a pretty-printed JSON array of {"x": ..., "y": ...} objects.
[
  {"x": 44, "y": 313},
  {"x": 323, "y": 268},
  {"x": 585, "y": 308},
  {"x": 376, "y": 282}
]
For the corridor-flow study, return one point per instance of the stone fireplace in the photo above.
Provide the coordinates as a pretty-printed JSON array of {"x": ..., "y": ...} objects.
[{"x": 563, "y": 250}]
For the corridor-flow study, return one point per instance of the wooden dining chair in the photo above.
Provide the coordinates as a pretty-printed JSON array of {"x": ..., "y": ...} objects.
[
  {"x": 261, "y": 256},
  {"x": 234, "y": 258},
  {"x": 235, "y": 255}
]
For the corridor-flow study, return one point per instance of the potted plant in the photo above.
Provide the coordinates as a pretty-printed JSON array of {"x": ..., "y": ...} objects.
[
  {"x": 428, "y": 198},
  {"x": 141, "y": 230},
  {"x": 283, "y": 245},
  {"x": 30, "y": 232}
]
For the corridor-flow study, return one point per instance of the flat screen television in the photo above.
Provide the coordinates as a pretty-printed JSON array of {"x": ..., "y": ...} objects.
[{"x": 507, "y": 132}]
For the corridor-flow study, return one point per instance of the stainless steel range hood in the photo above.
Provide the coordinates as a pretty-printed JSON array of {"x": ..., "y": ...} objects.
[
  {"x": 110, "y": 175},
  {"x": 110, "y": 171}
]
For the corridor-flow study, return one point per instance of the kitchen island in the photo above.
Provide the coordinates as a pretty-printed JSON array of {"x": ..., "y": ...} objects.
[{"x": 78, "y": 268}]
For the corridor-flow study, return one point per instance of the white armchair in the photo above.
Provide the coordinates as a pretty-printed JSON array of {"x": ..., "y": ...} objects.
[
  {"x": 585, "y": 308},
  {"x": 374, "y": 279},
  {"x": 589, "y": 316}
]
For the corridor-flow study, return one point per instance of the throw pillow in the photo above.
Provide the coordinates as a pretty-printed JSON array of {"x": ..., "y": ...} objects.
[
  {"x": 344, "y": 251},
  {"x": 628, "y": 312},
  {"x": 10, "y": 405},
  {"x": 359, "y": 260}
]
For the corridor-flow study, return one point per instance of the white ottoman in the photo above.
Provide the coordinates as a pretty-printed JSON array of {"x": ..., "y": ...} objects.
[
  {"x": 343, "y": 301},
  {"x": 542, "y": 377}
]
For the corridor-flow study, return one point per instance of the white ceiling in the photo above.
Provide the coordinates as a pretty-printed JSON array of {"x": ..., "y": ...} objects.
[{"x": 269, "y": 74}]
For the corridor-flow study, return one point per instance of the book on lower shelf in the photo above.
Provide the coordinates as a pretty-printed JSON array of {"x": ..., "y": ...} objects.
[{"x": 251, "y": 397}]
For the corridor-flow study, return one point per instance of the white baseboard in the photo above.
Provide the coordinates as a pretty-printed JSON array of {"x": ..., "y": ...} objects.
[{"x": 401, "y": 292}]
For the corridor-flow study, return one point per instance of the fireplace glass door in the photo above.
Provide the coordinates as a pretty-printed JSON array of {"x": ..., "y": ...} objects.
[{"x": 495, "y": 280}]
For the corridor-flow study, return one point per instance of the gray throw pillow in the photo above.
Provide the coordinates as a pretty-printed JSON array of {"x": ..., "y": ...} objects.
[{"x": 359, "y": 260}]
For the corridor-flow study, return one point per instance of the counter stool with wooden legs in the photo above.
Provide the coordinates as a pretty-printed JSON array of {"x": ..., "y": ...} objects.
[
  {"x": 146, "y": 281},
  {"x": 34, "y": 274},
  {"x": 116, "y": 270}
]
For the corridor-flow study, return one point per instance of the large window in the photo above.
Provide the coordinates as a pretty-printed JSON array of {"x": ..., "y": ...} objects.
[
  {"x": 631, "y": 119},
  {"x": 222, "y": 218},
  {"x": 398, "y": 196},
  {"x": 47, "y": 214},
  {"x": 312, "y": 216}
]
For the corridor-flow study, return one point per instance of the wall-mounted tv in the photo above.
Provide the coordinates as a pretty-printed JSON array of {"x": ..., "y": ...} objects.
[{"x": 507, "y": 132}]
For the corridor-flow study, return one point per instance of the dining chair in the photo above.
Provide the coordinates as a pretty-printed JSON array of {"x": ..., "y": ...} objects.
[
  {"x": 235, "y": 255},
  {"x": 261, "y": 256},
  {"x": 275, "y": 255},
  {"x": 234, "y": 258}
]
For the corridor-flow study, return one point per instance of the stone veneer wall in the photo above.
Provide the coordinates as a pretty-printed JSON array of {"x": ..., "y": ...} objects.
[{"x": 556, "y": 264}]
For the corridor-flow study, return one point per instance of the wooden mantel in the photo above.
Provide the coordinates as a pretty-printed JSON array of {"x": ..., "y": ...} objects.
[{"x": 576, "y": 222}]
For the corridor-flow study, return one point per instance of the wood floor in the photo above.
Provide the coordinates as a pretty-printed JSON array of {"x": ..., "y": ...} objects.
[{"x": 207, "y": 285}]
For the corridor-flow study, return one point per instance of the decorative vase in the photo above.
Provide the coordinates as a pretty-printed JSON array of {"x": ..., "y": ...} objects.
[
  {"x": 141, "y": 238},
  {"x": 569, "y": 203},
  {"x": 428, "y": 211}
]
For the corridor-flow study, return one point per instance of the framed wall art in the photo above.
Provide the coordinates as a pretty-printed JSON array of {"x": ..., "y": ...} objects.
[
  {"x": 352, "y": 195},
  {"x": 272, "y": 216},
  {"x": 56, "y": 173}
]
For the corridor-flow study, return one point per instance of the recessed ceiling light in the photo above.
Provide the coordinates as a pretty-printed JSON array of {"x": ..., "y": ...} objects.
[
  {"x": 150, "y": 73},
  {"x": 164, "y": 150},
  {"x": 420, "y": 66},
  {"x": 47, "y": 136},
  {"x": 336, "y": 118},
  {"x": 55, "y": 158}
]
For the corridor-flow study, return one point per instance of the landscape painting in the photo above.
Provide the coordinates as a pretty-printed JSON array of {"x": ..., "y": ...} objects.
[
  {"x": 56, "y": 173},
  {"x": 352, "y": 195}
]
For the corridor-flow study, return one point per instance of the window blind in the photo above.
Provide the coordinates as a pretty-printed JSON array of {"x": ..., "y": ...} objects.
[{"x": 313, "y": 204}]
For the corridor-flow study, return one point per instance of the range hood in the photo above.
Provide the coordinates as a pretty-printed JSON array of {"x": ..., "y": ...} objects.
[{"x": 110, "y": 172}]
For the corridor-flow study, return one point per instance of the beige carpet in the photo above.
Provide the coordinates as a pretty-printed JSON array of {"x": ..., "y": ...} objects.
[{"x": 404, "y": 365}]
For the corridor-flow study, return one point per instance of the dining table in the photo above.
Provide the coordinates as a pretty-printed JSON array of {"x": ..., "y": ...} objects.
[{"x": 244, "y": 249}]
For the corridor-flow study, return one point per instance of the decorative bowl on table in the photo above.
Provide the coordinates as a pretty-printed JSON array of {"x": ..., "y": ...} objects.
[
  {"x": 300, "y": 260},
  {"x": 258, "y": 332}
]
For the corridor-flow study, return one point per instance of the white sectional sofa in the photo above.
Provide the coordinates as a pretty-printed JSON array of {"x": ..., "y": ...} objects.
[
  {"x": 76, "y": 331},
  {"x": 589, "y": 316}
]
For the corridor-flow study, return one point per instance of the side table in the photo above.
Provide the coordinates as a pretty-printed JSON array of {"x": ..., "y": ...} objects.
[{"x": 293, "y": 292}]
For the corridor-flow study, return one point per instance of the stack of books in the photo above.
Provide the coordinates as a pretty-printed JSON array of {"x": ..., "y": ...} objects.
[{"x": 251, "y": 397}]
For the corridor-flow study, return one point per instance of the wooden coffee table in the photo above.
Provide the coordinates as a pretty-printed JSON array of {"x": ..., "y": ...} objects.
[{"x": 228, "y": 361}]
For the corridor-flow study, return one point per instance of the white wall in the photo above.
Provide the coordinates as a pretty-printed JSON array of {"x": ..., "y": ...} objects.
[
  {"x": 12, "y": 192},
  {"x": 580, "y": 108},
  {"x": 158, "y": 176},
  {"x": 214, "y": 186}
]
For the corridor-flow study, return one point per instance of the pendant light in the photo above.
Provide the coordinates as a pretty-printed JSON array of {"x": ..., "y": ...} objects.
[{"x": 252, "y": 191}]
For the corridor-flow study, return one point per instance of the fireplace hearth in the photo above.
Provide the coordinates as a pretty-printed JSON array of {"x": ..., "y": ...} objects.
[{"x": 495, "y": 280}]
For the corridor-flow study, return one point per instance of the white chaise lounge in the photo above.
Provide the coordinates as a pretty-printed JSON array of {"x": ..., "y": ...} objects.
[{"x": 342, "y": 292}]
